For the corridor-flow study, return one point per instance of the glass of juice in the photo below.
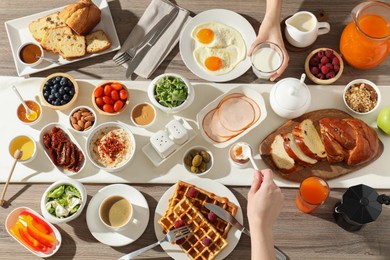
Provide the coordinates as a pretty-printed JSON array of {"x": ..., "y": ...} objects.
[
  {"x": 266, "y": 59},
  {"x": 312, "y": 193}
]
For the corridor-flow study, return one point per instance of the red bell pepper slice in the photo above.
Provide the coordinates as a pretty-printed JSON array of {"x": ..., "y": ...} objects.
[
  {"x": 45, "y": 239},
  {"x": 31, "y": 242},
  {"x": 38, "y": 223}
]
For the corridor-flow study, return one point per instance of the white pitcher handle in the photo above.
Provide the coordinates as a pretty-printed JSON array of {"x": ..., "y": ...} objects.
[{"x": 323, "y": 28}]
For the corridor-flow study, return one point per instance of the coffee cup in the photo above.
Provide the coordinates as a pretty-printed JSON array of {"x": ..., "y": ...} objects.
[
  {"x": 303, "y": 28},
  {"x": 115, "y": 212}
]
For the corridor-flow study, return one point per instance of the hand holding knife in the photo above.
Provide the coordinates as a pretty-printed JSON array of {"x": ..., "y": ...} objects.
[{"x": 226, "y": 216}]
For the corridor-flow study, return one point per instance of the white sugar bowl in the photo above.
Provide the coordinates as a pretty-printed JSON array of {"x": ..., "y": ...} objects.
[{"x": 290, "y": 97}]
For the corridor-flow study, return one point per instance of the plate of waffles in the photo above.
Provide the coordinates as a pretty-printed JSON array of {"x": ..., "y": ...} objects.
[
  {"x": 212, "y": 238},
  {"x": 132, "y": 231}
]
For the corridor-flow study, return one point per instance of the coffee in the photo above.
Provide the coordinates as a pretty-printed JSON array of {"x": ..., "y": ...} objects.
[{"x": 115, "y": 211}]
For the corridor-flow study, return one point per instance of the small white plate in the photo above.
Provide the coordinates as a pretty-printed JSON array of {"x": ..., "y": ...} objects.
[
  {"x": 131, "y": 232},
  {"x": 227, "y": 17},
  {"x": 247, "y": 91},
  {"x": 18, "y": 33},
  {"x": 217, "y": 188}
]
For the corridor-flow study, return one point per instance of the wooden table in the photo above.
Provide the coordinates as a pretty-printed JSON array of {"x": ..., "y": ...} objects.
[{"x": 301, "y": 236}]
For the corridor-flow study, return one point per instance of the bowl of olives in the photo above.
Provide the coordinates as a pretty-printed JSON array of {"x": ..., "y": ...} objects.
[
  {"x": 198, "y": 160},
  {"x": 59, "y": 91}
]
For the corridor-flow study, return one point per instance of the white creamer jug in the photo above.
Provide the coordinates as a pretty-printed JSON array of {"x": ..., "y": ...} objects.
[{"x": 303, "y": 28}]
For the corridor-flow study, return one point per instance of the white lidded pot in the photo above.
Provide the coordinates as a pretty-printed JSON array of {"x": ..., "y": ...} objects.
[{"x": 290, "y": 97}]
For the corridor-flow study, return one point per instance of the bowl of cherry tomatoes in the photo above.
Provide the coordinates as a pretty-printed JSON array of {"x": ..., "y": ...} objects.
[{"x": 110, "y": 98}]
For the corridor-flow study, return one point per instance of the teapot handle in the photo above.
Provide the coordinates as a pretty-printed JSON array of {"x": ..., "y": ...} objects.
[
  {"x": 383, "y": 199},
  {"x": 339, "y": 208}
]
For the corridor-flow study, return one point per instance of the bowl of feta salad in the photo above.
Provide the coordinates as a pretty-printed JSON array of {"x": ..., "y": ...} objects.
[{"x": 63, "y": 201}]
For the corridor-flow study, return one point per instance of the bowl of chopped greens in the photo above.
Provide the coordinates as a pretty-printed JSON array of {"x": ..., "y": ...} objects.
[
  {"x": 171, "y": 92},
  {"x": 63, "y": 201}
]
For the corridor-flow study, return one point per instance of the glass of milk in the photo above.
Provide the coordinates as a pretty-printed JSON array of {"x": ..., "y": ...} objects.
[{"x": 266, "y": 59}]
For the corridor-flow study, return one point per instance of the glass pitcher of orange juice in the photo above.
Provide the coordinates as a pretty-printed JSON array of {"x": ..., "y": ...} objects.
[{"x": 365, "y": 42}]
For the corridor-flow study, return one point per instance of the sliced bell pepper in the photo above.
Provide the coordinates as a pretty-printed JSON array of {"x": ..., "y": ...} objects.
[
  {"x": 38, "y": 223},
  {"x": 30, "y": 241},
  {"x": 45, "y": 239}
]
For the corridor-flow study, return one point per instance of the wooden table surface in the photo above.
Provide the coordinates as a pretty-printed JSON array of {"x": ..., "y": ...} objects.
[{"x": 301, "y": 236}]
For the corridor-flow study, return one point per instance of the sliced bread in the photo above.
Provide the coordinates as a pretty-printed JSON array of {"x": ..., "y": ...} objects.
[
  {"x": 280, "y": 157},
  {"x": 53, "y": 36},
  {"x": 72, "y": 46},
  {"x": 295, "y": 152},
  {"x": 38, "y": 27},
  {"x": 309, "y": 140},
  {"x": 97, "y": 41}
]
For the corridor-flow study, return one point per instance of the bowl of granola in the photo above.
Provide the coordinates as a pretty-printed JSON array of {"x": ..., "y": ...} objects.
[{"x": 361, "y": 96}]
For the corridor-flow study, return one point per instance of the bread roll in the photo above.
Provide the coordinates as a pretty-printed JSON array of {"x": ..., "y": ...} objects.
[{"x": 81, "y": 17}]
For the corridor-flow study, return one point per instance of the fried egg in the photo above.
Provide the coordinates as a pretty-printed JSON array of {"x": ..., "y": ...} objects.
[
  {"x": 218, "y": 47},
  {"x": 217, "y": 61}
]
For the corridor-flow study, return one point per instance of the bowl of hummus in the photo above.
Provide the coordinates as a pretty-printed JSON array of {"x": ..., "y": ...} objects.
[{"x": 110, "y": 146}]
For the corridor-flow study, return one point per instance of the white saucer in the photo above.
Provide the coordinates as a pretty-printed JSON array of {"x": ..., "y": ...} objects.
[{"x": 133, "y": 230}]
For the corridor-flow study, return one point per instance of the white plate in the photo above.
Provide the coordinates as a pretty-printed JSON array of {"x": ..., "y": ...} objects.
[
  {"x": 11, "y": 220},
  {"x": 18, "y": 34},
  {"x": 48, "y": 128},
  {"x": 227, "y": 17},
  {"x": 247, "y": 91},
  {"x": 133, "y": 230},
  {"x": 217, "y": 188}
]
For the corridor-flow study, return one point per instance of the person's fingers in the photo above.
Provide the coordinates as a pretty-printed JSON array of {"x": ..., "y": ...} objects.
[
  {"x": 256, "y": 182},
  {"x": 254, "y": 44},
  {"x": 282, "y": 68}
]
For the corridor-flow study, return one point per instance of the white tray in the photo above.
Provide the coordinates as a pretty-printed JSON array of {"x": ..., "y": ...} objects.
[
  {"x": 141, "y": 169},
  {"x": 18, "y": 34}
]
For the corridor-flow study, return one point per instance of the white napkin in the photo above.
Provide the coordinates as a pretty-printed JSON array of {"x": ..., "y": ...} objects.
[{"x": 156, "y": 10}]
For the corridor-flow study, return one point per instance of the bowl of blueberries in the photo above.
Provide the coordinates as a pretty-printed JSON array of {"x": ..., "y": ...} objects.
[{"x": 59, "y": 91}]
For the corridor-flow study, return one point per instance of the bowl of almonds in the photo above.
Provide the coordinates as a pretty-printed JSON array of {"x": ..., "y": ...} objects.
[{"x": 82, "y": 119}]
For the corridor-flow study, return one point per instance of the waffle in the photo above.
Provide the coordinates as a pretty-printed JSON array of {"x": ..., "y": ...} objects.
[
  {"x": 193, "y": 245},
  {"x": 202, "y": 197}
]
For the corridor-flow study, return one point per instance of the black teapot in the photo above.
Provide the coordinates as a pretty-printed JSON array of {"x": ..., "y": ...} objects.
[{"x": 359, "y": 205}]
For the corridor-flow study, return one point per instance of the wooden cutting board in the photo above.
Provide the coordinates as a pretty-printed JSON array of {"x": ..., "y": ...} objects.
[{"x": 321, "y": 169}]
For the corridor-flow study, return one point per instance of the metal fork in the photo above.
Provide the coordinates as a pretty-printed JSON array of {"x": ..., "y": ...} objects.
[
  {"x": 171, "y": 236},
  {"x": 127, "y": 55}
]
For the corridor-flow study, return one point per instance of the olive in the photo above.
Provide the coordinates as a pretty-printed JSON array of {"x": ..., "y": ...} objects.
[
  {"x": 197, "y": 160},
  {"x": 203, "y": 167},
  {"x": 194, "y": 169},
  {"x": 188, "y": 160},
  {"x": 205, "y": 155}
]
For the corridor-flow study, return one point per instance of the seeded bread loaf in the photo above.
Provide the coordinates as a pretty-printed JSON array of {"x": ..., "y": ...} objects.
[
  {"x": 308, "y": 139},
  {"x": 97, "y": 41},
  {"x": 39, "y": 27},
  {"x": 54, "y": 36},
  {"x": 72, "y": 46},
  {"x": 279, "y": 155},
  {"x": 81, "y": 17}
]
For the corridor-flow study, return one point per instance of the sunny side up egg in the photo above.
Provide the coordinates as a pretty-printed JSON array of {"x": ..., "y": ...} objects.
[{"x": 218, "y": 47}]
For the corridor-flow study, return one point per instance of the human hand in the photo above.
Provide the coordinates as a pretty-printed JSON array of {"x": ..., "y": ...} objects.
[
  {"x": 265, "y": 201},
  {"x": 270, "y": 31}
]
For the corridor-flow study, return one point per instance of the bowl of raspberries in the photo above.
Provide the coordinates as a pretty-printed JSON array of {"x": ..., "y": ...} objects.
[{"x": 324, "y": 66}]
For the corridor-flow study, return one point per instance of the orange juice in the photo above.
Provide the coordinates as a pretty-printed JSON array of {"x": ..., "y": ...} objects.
[
  {"x": 313, "y": 191},
  {"x": 366, "y": 44}
]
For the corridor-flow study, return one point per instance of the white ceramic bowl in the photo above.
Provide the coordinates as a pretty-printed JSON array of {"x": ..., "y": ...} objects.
[
  {"x": 133, "y": 111},
  {"x": 77, "y": 109},
  {"x": 31, "y": 122},
  {"x": 53, "y": 219},
  {"x": 34, "y": 63},
  {"x": 184, "y": 105},
  {"x": 209, "y": 165},
  {"x": 13, "y": 217},
  {"x": 26, "y": 137},
  {"x": 358, "y": 81},
  {"x": 89, "y": 145}
]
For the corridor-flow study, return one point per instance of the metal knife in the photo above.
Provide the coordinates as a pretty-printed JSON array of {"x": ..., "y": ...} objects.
[
  {"x": 225, "y": 215},
  {"x": 163, "y": 25}
]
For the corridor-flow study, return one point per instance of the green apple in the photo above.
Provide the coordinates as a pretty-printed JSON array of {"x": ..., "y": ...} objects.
[{"x": 383, "y": 120}]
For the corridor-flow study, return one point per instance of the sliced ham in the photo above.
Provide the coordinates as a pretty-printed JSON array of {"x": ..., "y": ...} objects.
[
  {"x": 236, "y": 114},
  {"x": 206, "y": 124}
]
